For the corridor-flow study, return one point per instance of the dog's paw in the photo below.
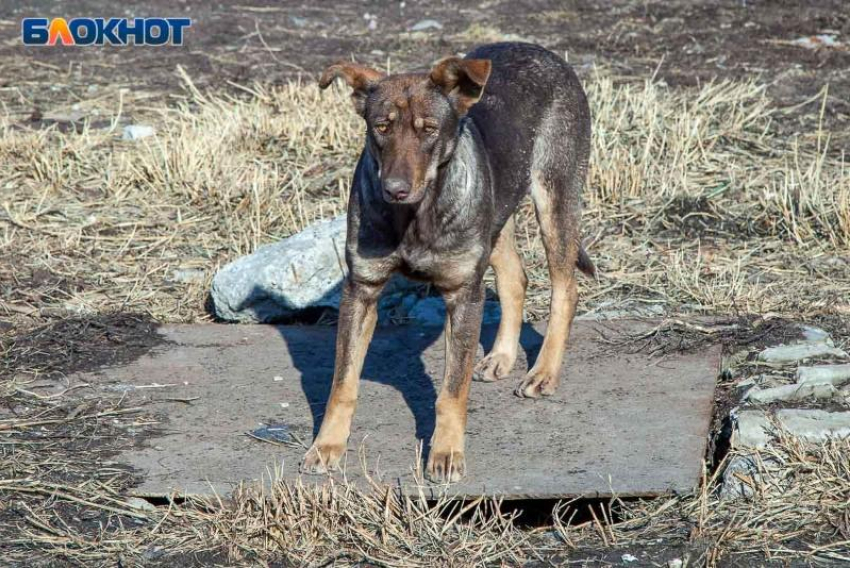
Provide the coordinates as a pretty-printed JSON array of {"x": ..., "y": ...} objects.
[
  {"x": 445, "y": 466},
  {"x": 493, "y": 367},
  {"x": 322, "y": 458},
  {"x": 537, "y": 384}
]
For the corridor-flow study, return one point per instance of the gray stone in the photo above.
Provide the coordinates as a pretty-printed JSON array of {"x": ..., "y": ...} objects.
[
  {"x": 814, "y": 425},
  {"x": 799, "y": 351},
  {"x": 745, "y": 473},
  {"x": 754, "y": 428},
  {"x": 791, "y": 392},
  {"x": 280, "y": 279},
  {"x": 423, "y": 25},
  {"x": 835, "y": 375},
  {"x": 137, "y": 132},
  {"x": 187, "y": 275},
  {"x": 813, "y": 334}
]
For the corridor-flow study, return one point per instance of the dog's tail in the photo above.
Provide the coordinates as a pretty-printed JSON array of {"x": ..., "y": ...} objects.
[{"x": 584, "y": 263}]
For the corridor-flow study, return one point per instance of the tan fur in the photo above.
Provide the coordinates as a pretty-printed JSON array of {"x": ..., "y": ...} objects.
[
  {"x": 511, "y": 283},
  {"x": 330, "y": 444},
  {"x": 446, "y": 460},
  {"x": 544, "y": 377}
]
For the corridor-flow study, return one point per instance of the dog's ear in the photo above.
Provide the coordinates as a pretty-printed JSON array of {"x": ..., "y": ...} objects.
[
  {"x": 358, "y": 77},
  {"x": 462, "y": 80}
]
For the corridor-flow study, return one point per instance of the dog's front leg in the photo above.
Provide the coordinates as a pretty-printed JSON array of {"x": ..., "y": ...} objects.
[
  {"x": 357, "y": 316},
  {"x": 446, "y": 461}
]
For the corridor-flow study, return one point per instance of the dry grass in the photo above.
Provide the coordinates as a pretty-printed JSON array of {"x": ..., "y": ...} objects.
[
  {"x": 695, "y": 203},
  {"x": 805, "y": 514}
]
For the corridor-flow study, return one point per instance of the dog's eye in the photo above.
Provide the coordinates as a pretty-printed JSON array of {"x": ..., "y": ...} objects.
[{"x": 382, "y": 128}]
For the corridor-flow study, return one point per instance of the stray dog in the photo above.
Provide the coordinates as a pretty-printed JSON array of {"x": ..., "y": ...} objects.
[{"x": 448, "y": 156}]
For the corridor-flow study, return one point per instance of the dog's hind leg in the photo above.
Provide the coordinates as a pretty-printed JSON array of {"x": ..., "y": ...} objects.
[
  {"x": 557, "y": 178},
  {"x": 510, "y": 283}
]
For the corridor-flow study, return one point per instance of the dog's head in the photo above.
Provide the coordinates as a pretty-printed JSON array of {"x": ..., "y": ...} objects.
[{"x": 412, "y": 119}]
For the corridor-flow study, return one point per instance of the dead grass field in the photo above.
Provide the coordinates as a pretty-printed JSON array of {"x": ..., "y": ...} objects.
[{"x": 696, "y": 203}]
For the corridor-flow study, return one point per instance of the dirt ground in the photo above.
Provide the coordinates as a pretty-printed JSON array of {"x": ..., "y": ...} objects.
[
  {"x": 682, "y": 42},
  {"x": 65, "y": 504}
]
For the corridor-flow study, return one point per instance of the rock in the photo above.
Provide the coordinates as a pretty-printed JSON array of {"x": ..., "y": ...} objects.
[
  {"x": 187, "y": 275},
  {"x": 815, "y": 343},
  {"x": 790, "y": 392},
  {"x": 754, "y": 428},
  {"x": 629, "y": 558},
  {"x": 835, "y": 375},
  {"x": 274, "y": 433},
  {"x": 814, "y": 425},
  {"x": 799, "y": 351},
  {"x": 140, "y": 504},
  {"x": 280, "y": 279},
  {"x": 423, "y": 25},
  {"x": 137, "y": 132},
  {"x": 745, "y": 473},
  {"x": 813, "y": 334}
]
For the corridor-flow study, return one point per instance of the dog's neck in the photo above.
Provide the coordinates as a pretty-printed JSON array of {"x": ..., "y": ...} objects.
[{"x": 451, "y": 203}]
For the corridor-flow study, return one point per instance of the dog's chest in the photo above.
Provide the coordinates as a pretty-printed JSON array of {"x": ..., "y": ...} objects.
[{"x": 443, "y": 267}]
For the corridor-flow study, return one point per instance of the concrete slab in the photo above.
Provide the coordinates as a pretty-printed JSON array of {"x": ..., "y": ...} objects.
[{"x": 621, "y": 423}]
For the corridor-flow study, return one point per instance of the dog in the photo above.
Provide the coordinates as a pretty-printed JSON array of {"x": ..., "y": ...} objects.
[{"x": 448, "y": 156}]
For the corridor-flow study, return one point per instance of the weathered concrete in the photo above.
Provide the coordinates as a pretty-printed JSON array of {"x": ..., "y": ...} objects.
[
  {"x": 800, "y": 391},
  {"x": 754, "y": 427},
  {"x": 835, "y": 375},
  {"x": 799, "y": 352},
  {"x": 621, "y": 423}
]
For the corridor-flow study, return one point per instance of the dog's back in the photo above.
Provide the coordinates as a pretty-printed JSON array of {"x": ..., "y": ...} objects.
[{"x": 533, "y": 117}]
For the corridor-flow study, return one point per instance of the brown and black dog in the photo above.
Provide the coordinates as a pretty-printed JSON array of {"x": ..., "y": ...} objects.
[{"x": 449, "y": 154}]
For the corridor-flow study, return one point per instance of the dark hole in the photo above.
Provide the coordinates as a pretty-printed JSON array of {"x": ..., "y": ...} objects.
[{"x": 535, "y": 513}]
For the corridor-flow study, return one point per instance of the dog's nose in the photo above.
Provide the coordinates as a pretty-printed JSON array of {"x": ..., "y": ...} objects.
[{"x": 396, "y": 189}]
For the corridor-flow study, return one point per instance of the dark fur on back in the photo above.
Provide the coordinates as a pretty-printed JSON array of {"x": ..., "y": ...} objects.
[{"x": 528, "y": 83}]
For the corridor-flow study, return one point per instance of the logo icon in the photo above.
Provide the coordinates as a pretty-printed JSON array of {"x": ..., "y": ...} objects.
[{"x": 104, "y": 31}]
